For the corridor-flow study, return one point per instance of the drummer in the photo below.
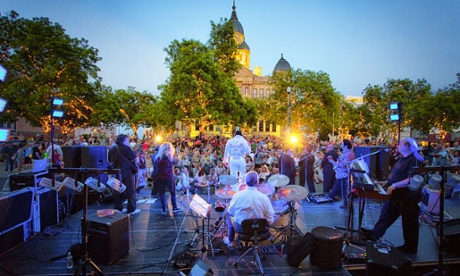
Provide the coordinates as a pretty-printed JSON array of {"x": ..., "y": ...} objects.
[{"x": 246, "y": 204}]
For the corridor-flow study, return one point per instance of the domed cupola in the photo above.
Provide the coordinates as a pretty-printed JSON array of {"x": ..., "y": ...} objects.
[
  {"x": 282, "y": 65},
  {"x": 244, "y": 53}
]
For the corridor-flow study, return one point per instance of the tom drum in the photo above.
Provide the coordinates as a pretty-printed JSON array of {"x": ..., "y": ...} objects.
[{"x": 281, "y": 208}]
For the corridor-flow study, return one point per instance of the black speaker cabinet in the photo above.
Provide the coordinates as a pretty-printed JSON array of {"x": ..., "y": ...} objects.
[
  {"x": 94, "y": 157},
  {"x": 108, "y": 237},
  {"x": 386, "y": 261},
  {"x": 48, "y": 215},
  {"x": 72, "y": 156},
  {"x": 377, "y": 159}
]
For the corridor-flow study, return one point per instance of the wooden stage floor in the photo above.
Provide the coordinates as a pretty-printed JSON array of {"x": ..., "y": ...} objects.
[{"x": 157, "y": 242}]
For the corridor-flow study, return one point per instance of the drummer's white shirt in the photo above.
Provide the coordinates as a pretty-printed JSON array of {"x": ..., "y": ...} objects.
[{"x": 250, "y": 203}]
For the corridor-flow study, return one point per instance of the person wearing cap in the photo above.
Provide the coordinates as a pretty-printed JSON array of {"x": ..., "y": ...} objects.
[
  {"x": 246, "y": 204},
  {"x": 235, "y": 152},
  {"x": 403, "y": 201}
]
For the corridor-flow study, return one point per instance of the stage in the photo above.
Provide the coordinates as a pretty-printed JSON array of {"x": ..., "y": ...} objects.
[{"x": 173, "y": 243}]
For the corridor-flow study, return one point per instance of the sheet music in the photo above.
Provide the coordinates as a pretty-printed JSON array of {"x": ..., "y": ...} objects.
[{"x": 200, "y": 206}]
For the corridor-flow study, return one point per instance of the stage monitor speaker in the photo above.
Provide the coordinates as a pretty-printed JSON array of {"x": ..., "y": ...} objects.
[
  {"x": 94, "y": 157},
  {"x": 72, "y": 156},
  {"x": 108, "y": 237},
  {"x": 386, "y": 260},
  {"x": 378, "y": 161},
  {"x": 200, "y": 269}
]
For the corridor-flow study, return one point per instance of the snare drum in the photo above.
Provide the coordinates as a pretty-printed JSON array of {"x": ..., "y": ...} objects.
[{"x": 281, "y": 208}]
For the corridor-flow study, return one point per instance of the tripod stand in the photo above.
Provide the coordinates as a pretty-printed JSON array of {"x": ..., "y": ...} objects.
[{"x": 85, "y": 259}]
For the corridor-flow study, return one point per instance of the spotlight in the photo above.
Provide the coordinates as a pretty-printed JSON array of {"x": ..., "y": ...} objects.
[
  {"x": 116, "y": 185},
  {"x": 48, "y": 183},
  {"x": 2, "y": 104},
  {"x": 70, "y": 183},
  {"x": 2, "y": 73},
  {"x": 92, "y": 183},
  {"x": 58, "y": 113}
]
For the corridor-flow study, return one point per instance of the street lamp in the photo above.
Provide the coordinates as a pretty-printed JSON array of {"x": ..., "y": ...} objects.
[{"x": 288, "y": 124}]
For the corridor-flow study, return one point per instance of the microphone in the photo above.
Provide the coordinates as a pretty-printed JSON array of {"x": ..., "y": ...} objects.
[{"x": 356, "y": 170}]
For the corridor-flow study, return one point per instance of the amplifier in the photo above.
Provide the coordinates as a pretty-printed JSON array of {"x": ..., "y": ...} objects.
[{"x": 108, "y": 237}]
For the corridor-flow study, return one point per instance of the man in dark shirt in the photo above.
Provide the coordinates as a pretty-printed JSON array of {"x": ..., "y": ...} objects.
[
  {"x": 403, "y": 202},
  {"x": 328, "y": 168},
  {"x": 9, "y": 153}
]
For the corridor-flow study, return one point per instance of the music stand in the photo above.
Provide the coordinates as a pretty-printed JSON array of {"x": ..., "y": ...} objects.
[{"x": 203, "y": 209}]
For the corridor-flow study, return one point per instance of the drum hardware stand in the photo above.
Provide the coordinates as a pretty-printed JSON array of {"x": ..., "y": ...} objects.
[
  {"x": 220, "y": 225},
  {"x": 291, "y": 226},
  {"x": 203, "y": 209},
  {"x": 85, "y": 259}
]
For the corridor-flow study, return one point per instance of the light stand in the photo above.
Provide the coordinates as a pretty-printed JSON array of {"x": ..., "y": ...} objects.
[
  {"x": 85, "y": 260},
  {"x": 292, "y": 225},
  {"x": 54, "y": 114}
]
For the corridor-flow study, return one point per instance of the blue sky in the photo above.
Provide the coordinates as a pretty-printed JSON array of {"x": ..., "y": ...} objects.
[{"x": 356, "y": 42}]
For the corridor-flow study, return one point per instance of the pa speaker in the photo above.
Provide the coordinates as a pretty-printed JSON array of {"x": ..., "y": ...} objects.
[
  {"x": 72, "y": 156},
  {"x": 94, "y": 157},
  {"x": 377, "y": 159}
]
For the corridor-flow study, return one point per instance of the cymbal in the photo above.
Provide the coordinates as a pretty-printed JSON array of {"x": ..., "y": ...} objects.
[
  {"x": 278, "y": 180},
  {"x": 227, "y": 179},
  {"x": 225, "y": 193},
  {"x": 292, "y": 193},
  {"x": 266, "y": 189}
]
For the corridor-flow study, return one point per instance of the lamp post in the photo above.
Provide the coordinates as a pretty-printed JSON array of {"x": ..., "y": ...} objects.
[{"x": 288, "y": 124}]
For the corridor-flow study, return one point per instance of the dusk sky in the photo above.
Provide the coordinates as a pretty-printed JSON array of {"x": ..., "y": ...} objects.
[{"x": 356, "y": 42}]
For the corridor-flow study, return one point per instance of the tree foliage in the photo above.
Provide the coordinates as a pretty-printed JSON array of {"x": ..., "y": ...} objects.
[
  {"x": 201, "y": 89},
  {"x": 44, "y": 62}
]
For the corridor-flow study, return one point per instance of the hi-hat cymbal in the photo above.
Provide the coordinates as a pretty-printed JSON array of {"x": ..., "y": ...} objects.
[
  {"x": 224, "y": 193},
  {"x": 227, "y": 179},
  {"x": 278, "y": 180},
  {"x": 292, "y": 193}
]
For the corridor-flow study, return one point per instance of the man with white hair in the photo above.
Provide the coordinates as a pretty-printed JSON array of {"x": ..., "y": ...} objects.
[
  {"x": 247, "y": 204},
  {"x": 403, "y": 202}
]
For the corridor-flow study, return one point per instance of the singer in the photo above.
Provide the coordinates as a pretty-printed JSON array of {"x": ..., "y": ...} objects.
[{"x": 235, "y": 152}]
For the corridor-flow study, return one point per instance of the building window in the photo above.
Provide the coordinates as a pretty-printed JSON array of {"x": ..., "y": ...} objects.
[
  {"x": 267, "y": 127},
  {"x": 267, "y": 93},
  {"x": 261, "y": 126},
  {"x": 273, "y": 127},
  {"x": 197, "y": 127},
  {"x": 246, "y": 91},
  {"x": 261, "y": 93},
  {"x": 211, "y": 127},
  {"x": 254, "y": 93}
]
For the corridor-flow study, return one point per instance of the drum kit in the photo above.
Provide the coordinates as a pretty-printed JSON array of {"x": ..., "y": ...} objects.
[{"x": 283, "y": 201}]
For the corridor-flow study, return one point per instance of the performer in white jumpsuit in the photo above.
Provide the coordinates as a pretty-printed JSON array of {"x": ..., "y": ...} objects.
[{"x": 235, "y": 151}]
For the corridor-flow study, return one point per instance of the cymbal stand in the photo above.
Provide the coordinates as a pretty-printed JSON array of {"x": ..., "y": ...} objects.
[
  {"x": 348, "y": 230},
  {"x": 292, "y": 225}
]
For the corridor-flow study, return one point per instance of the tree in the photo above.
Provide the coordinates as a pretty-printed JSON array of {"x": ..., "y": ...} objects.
[
  {"x": 44, "y": 62},
  {"x": 201, "y": 89},
  {"x": 313, "y": 101}
]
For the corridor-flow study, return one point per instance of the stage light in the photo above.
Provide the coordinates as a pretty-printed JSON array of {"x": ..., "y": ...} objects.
[
  {"x": 48, "y": 183},
  {"x": 158, "y": 138},
  {"x": 2, "y": 105},
  {"x": 394, "y": 106},
  {"x": 116, "y": 185},
  {"x": 70, "y": 183},
  {"x": 293, "y": 139},
  {"x": 92, "y": 183},
  {"x": 58, "y": 102},
  {"x": 394, "y": 117},
  {"x": 58, "y": 113},
  {"x": 2, "y": 73}
]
